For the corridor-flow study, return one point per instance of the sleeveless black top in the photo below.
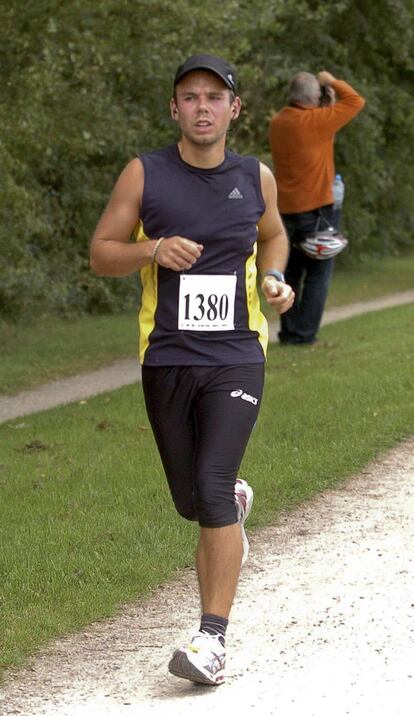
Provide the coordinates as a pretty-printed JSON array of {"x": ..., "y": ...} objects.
[{"x": 210, "y": 314}]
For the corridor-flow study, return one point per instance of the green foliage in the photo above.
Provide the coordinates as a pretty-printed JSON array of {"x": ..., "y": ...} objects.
[{"x": 86, "y": 85}]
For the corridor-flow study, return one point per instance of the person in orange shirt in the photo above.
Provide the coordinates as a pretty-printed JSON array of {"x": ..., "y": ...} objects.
[{"x": 301, "y": 138}]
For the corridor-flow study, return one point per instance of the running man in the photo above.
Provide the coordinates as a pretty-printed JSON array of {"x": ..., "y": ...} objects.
[{"x": 206, "y": 221}]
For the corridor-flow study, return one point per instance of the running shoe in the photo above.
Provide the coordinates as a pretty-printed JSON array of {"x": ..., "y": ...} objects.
[
  {"x": 244, "y": 501},
  {"x": 202, "y": 661}
]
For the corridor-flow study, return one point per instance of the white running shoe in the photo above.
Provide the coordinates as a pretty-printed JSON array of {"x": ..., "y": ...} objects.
[
  {"x": 202, "y": 661},
  {"x": 244, "y": 501}
]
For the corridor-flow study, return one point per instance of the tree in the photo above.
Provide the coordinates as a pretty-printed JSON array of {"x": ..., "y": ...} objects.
[{"x": 86, "y": 86}]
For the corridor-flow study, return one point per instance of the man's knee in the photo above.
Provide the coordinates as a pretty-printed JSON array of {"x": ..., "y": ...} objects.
[
  {"x": 219, "y": 512},
  {"x": 185, "y": 509}
]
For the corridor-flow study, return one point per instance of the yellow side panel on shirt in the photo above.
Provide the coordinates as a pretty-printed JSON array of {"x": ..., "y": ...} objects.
[
  {"x": 257, "y": 321},
  {"x": 149, "y": 280},
  {"x": 146, "y": 314}
]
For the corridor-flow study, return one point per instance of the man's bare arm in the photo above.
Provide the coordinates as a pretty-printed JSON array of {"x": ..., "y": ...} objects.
[
  {"x": 273, "y": 246},
  {"x": 112, "y": 253}
]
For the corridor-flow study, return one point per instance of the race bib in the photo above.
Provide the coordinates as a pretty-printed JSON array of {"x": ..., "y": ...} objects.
[{"x": 206, "y": 303}]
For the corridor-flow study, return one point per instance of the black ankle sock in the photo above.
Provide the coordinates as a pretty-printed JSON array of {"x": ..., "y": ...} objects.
[{"x": 212, "y": 624}]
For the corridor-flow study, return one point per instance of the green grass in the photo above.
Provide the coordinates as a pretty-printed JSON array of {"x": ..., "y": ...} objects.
[
  {"x": 52, "y": 348},
  {"x": 371, "y": 279},
  {"x": 330, "y": 410},
  {"x": 85, "y": 519},
  {"x": 81, "y": 489}
]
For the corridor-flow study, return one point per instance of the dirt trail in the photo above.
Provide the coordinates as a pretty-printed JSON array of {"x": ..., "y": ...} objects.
[
  {"x": 323, "y": 623},
  {"x": 125, "y": 372}
]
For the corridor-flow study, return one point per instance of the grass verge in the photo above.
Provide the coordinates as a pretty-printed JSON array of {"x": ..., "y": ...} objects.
[
  {"x": 54, "y": 348},
  {"x": 371, "y": 279},
  {"x": 86, "y": 522}
]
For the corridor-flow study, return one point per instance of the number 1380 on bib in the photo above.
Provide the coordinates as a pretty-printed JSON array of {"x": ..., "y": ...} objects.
[{"x": 206, "y": 303}]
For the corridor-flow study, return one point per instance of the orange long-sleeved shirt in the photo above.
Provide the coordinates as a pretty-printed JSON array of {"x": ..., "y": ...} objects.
[{"x": 302, "y": 145}]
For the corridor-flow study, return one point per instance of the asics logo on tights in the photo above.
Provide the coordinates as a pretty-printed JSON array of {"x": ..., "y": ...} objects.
[{"x": 244, "y": 396}]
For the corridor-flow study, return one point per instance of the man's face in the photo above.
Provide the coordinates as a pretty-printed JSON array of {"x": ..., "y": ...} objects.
[{"x": 204, "y": 107}]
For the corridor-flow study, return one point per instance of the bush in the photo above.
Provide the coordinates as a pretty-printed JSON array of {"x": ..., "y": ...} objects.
[{"x": 86, "y": 86}]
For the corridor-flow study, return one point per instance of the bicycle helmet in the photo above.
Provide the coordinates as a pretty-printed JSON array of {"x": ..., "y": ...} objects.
[{"x": 323, "y": 244}]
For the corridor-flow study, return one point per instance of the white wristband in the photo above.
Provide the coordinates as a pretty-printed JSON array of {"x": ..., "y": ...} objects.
[{"x": 156, "y": 247}]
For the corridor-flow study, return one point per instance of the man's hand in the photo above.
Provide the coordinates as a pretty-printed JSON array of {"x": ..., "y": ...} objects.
[
  {"x": 325, "y": 78},
  {"x": 178, "y": 253},
  {"x": 278, "y": 294}
]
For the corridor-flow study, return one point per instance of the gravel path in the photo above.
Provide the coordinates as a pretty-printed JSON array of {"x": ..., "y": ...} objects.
[
  {"x": 126, "y": 372},
  {"x": 323, "y": 623}
]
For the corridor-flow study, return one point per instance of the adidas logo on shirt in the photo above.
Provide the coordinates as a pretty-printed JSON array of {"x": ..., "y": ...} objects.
[{"x": 235, "y": 194}]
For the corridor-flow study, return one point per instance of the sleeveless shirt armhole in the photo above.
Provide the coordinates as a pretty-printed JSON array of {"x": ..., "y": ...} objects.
[{"x": 259, "y": 187}]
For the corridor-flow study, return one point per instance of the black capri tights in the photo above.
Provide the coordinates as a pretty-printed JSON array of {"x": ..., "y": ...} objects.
[{"x": 202, "y": 419}]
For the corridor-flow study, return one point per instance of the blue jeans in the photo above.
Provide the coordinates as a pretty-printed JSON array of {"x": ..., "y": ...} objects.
[{"x": 309, "y": 278}]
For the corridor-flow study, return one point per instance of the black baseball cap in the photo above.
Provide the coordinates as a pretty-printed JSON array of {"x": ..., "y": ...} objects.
[{"x": 220, "y": 67}]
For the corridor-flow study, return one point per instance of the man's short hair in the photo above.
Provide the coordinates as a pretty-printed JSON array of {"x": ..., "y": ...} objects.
[{"x": 304, "y": 89}]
